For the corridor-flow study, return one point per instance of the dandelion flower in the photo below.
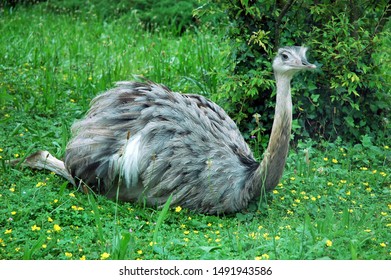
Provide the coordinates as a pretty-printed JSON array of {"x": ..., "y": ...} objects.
[{"x": 104, "y": 256}]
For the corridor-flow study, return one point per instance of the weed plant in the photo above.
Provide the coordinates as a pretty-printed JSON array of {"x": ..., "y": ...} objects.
[{"x": 333, "y": 201}]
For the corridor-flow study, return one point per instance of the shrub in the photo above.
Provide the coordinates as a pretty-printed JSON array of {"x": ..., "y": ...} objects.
[{"x": 350, "y": 94}]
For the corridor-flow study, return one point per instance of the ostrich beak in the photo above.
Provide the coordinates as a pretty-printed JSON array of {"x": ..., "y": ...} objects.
[{"x": 307, "y": 65}]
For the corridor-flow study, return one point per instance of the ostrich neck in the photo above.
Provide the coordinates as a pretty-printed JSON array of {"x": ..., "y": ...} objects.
[{"x": 273, "y": 163}]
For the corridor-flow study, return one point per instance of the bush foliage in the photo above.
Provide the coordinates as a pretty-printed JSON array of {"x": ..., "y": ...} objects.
[
  {"x": 153, "y": 14},
  {"x": 348, "y": 97}
]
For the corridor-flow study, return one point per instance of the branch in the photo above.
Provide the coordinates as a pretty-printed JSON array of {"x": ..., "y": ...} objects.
[{"x": 283, "y": 12}]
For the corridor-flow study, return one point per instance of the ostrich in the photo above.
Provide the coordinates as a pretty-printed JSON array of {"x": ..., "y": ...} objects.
[{"x": 141, "y": 142}]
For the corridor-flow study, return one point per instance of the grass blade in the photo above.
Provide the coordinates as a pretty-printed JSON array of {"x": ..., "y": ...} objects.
[{"x": 162, "y": 216}]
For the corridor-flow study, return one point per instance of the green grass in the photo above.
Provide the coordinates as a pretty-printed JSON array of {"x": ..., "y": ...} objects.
[{"x": 333, "y": 201}]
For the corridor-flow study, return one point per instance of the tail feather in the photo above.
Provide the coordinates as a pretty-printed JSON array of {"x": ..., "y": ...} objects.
[{"x": 44, "y": 160}]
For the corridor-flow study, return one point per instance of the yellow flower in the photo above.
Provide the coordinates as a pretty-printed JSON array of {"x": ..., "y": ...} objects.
[
  {"x": 14, "y": 212},
  {"x": 383, "y": 213},
  {"x": 329, "y": 243},
  {"x": 277, "y": 237},
  {"x": 12, "y": 189},
  {"x": 383, "y": 244},
  {"x": 334, "y": 160},
  {"x": 293, "y": 178},
  {"x": 275, "y": 192},
  {"x": 44, "y": 246},
  {"x": 186, "y": 232},
  {"x": 386, "y": 147},
  {"x": 104, "y": 256},
  {"x": 217, "y": 240},
  {"x": 8, "y": 231},
  {"x": 50, "y": 220},
  {"x": 178, "y": 209},
  {"x": 325, "y": 159},
  {"x": 139, "y": 252},
  {"x": 35, "y": 228},
  {"x": 40, "y": 184},
  {"x": 83, "y": 258},
  {"x": 68, "y": 255},
  {"x": 56, "y": 227},
  {"x": 265, "y": 256},
  {"x": 72, "y": 195}
]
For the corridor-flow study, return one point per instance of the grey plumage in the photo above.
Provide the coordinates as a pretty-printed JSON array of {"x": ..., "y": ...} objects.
[{"x": 151, "y": 142}]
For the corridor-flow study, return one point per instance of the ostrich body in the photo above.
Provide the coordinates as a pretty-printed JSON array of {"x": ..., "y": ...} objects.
[{"x": 143, "y": 142}]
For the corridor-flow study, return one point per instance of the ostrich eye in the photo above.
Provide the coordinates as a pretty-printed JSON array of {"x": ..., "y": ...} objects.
[{"x": 284, "y": 56}]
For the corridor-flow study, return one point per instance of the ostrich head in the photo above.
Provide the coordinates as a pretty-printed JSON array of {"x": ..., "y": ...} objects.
[{"x": 290, "y": 60}]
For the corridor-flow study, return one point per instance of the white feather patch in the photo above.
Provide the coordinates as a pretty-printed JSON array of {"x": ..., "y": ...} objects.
[{"x": 130, "y": 161}]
